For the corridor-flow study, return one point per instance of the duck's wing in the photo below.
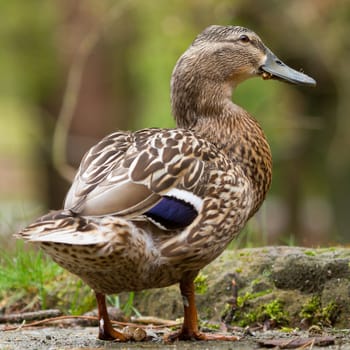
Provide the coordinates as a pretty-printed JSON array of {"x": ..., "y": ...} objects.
[
  {"x": 128, "y": 174},
  {"x": 103, "y": 186}
]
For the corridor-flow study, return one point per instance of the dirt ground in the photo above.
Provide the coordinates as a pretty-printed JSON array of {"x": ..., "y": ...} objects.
[
  {"x": 55, "y": 338},
  {"x": 290, "y": 274}
]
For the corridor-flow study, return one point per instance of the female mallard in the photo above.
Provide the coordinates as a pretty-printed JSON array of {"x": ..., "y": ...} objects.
[{"x": 150, "y": 208}]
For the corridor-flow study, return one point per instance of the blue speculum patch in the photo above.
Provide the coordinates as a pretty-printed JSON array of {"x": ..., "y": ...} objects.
[{"x": 172, "y": 213}]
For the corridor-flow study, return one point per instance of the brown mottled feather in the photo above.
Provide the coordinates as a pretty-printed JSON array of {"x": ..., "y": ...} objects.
[{"x": 134, "y": 176}]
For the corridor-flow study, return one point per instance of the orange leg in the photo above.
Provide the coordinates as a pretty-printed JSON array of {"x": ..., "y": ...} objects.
[
  {"x": 189, "y": 330},
  {"x": 106, "y": 330}
]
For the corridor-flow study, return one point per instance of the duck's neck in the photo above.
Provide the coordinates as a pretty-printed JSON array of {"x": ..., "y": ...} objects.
[
  {"x": 196, "y": 97},
  {"x": 212, "y": 115}
]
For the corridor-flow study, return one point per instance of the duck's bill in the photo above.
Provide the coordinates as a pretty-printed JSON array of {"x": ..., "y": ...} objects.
[{"x": 274, "y": 68}]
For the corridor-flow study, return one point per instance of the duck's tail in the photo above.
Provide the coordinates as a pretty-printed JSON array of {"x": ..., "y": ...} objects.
[{"x": 67, "y": 227}]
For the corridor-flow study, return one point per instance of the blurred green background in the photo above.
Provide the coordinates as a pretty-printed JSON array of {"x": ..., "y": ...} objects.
[{"x": 125, "y": 52}]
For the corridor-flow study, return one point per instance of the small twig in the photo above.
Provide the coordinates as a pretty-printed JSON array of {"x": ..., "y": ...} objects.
[
  {"x": 232, "y": 302},
  {"x": 159, "y": 326},
  {"x": 297, "y": 343},
  {"x": 234, "y": 294},
  {"x": 285, "y": 344},
  {"x": 21, "y": 325},
  {"x": 94, "y": 318},
  {"x": 29, "y": 316},
  {"x": 310, "y": 343},
  {"x": 155, "y": 321},
  {"x": 48, "y": 320}
]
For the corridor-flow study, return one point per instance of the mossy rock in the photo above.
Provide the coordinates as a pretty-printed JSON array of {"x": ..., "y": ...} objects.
[{"x": 279, "y": 283}]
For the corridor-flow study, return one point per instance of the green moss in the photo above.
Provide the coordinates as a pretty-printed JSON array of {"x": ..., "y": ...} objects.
[
  {"x": 208, "y": 325},
  {"x": 201, "y": 283},
  {"x": 256, "y": 281},
  {"x": 328, "y": 249},
  {"x": 287, "y": 329},
  {"x": 310, "y": 253},
  {"x": 266, "y": 273},
  {"x": 311, "y": 308},
  {"x": 314, "y": 313},
  {"x": 260, "y": 280},
  {"x": 330, "y": 312},
  {"x": 273, "y": 311},
  {"x": 244, "y": 253},
  {"x": 242, "y": 300}
]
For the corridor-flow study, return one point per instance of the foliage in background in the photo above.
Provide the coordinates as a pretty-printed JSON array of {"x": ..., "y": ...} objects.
[
  {"x": 127, "y": 307},
  {"x": 24, "y": 276},
  {"x": 29, "y": 280}
]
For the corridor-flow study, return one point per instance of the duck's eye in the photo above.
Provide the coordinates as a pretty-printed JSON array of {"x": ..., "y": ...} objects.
[{"x": 244, "y": 38}]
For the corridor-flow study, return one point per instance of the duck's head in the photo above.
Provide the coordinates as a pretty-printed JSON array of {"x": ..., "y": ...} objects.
[{"x": 220, "y": 58}]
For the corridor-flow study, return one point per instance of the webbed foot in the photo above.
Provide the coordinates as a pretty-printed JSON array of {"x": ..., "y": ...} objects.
[{"x": 105, "y": 328}]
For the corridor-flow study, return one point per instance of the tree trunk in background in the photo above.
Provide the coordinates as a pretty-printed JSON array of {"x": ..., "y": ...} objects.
[{"x": 99, "y": 109}]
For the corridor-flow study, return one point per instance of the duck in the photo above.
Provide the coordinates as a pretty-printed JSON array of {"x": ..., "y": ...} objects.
[{"x": 151, "y": 208}]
